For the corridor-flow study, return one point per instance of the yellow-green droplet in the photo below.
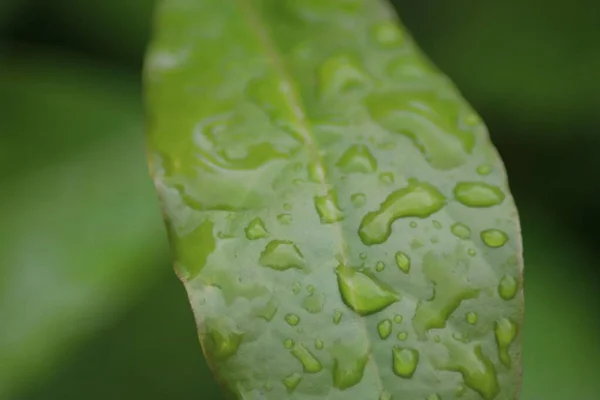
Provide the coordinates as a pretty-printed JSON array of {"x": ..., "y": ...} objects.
[
  {"x": 403, "y": 262},
  {"x": 292, "y": 319},
  {"x": 478, "y": 194},
  {"x": 418, "y": 199},
  {"x": 328, "y": 209},
  {"x": 387, "y": 34},
  {"x": 387, "y": 178},
  {"x": 405, "y": 361},
  {"x": 477, "y": 370},
  {"x": 402, "y": 336},
  {"x": 281, "y": 255},
  {"x": 288, "y": 343},
  {"x": 358, "y": 199},
  {"x": 256, "y": 230},
  {"x": 398, "y": 318},
  {"x": 337, "y": 317},
  {"x": 461, "y": 231},
  {"x": 319, "y": 344},
  {"x": 357, "y": 159},
  {"x": 484, "y": 169},
  {"x": 348, "y": 365},
  {"x": 471, "y": 318},
  {"x": 363, "y": 294},
  {"x": 506, "y": 332},
  {"x": 222, "y": 342},
  {"x": 471, "y": 252},
  {"x": 507, "y": 288},
  {"x": 310, "y": 364},
  {"x": 292, "y": 381},
  {"x": 384, "y": 329},
  {"x": 316, "y": 173},
  {"x": 380, "y": 266},
  {"x": 494, "y": 238}
]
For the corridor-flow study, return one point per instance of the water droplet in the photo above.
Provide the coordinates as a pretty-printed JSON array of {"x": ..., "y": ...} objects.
[
  {"x": 256, "y": 230},
  {"x": 281, "y": 255},
  {"x": 477, "y": 370},
  {"x": 403, "y": 262},
  {"x": 296, "y": 287},
  {"x": 363, "y": 255},
  {"x": 402, "y": 336},
  {"x": 337, "y": 317},
  {"x": 461, "y": 231},
  {"x": 398, "y": 318},
  {"x": 319, "y": 344},
  {"x": 310, "y": 289},
  {"x": 435, "y": 240},
  {"x": 288, "y": 343},
  {"x": 268, "y": 311},
  {"x": 287, "y": 206},
  {"x": 380, "y": 266},
  {"x": 348, "y": 365},
  {"x": 358, "y": 199},
  {"x": 387, "y": 34},
  {"x": 314, "y": 303},
  {"x": 316, "y": 173},
  {"x": 413, "y": 224},
  {"x": 340, "y": 74},
  {"x": 437, "y": 224},
  {"x": 284, "y": 219},
  {"x": 461, "y": 337},
  {"x": 328, "y": 209},
  {"x": 387, "y": 178},
  {"x": 357, "y": 159},
  {"x": 416, "y": 244},
  {"x": 362, "y": 293},
  {"x": 292, "y": 319},
  {"x": 484, "y": 169},
  {"x": 405, "y": 361},
  {"x": 268, "y": 386},
  {"x": 471, "y": 318},
  {"x": 437, "y": 339},
  {"x": 472, "y": 252},
  {"x": 506, "y": 333},
  {"x": 507, "y": 289},
  {"x": 385, "y": 395},
  {"x": 494, "y": 238},
  {"x": 292, "y": 381},
  {"x": 478, "y": 194},
  {"x": 418, "y": 199},
  {"x": 222, "y": 343},
  {"x": 384, "y": 328},
  {"x": 309, "y": 362},
  {"x": 190, "y": 258}
]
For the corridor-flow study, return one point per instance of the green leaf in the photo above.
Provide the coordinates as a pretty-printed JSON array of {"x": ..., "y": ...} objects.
[
  {"x": 299, "y": 148},
  {"x": 80, "y": 231}
]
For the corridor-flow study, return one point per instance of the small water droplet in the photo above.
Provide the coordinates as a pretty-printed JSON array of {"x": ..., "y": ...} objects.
[
  {"x": 416, "y": 244},
  {"x": 413, "y": 224},
  {"x": 437, "y": 338},
  {"x": 484, "y": 169},
  {"x": 398, "y": 318},
  {"x": 256, "y": 230},
  {"x": 384, "y": 328},
  {"x": 380, "y": 266},
  {"x": 403, "y": 262},
  {"x": 358, "y": 199},
  {"x": 434, "y": 240},
  {"x": 281, "y": 255},
  {"x": 296, "y": 287},
  {"x": 405, "y": 361},
  {"x": 337, "y": 317},
  {"x": 292, "y": 319},
  {"x": 292, "y": 381},
  {"x": 268, "y": 311},
  {"x": 284, "y": 219},
  {"x": 328, "y": 209},
  {"x": 310, "y": 289},
  {"x": 309, "y": 362},
  {"x": 314, "y": 303},
  {"x": 478, "y": 194},
  {"x": 387, "y": 178},
  {"x": 461, "y": 231},
  {"x": 362, "y": 293},
  {"x": 402, "y": 336},
  {"x": 340, "y": 74},
  {"x": 418, "y": 199},
  {"x": 385, "y": 395},
  {"x": 287, "y": 206},
  {"x": 437, "y": 224},
  {"x": 363, "y": 255},
  {"x": 507, "y": 288},
  {"x": 221, "y": 342},
  {"x": 268, "y": 386},
  {"x": 506, "y": 333},
  {"x": 494, "y": 238},
  {"x": 319, "y": 344},
  {"x": 472, "y": 252},
  {"x": 471, "y": 318},
  {"x": 387, "y": 34},
  {"x": 288, "y": 343},
  {"x": 357, "y": 159}
]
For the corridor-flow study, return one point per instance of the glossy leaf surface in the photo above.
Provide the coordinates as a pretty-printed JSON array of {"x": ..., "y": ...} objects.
[{"x": 336, "y": 209}]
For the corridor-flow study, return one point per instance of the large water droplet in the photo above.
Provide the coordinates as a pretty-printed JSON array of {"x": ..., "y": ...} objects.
[
  {"x": 461, "y": 231},
  {"x": 507, "y": 288},
  {"x": 494, "y": 238},
  {"x": 384, "y": 328},
  {"x": 362, "y": 293},
  {"x": 403, "y": 262},
  {"x": 222, "y": 343},
  {"x": 348, "y": 365},
  {"x": 478, "y": 194},
  {"x": 292, "y": 381},
  {"x": 328, "y": 209},
  {"x": 418, "y": 199},
  {"x": 340, "y": 74},
  {"x": 281, "y": 255},
  {"x": 190, "y": 257},
  {"x": 358, "y": 158},
  {"x": 405, "y": 361},
  {"x": 309, "y": 362},
  {"x": 292, "y": 319},
  {"x": 256, "y": 229},
  {"x": 477, "y": 370},
  {"x": 506, "y": 332},
  {"x": 358, "y": 199},
  {"x": 387, "y": 34}
]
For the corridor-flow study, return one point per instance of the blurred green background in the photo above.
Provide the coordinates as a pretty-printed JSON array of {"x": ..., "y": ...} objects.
[{"x": 89, "y": 306}]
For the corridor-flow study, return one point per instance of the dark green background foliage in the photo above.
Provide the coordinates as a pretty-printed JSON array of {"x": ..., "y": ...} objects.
[{"x": 89, "y": 306}]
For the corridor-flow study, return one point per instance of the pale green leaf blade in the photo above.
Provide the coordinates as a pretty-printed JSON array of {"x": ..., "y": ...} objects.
[{"x": 341, "y": 222}]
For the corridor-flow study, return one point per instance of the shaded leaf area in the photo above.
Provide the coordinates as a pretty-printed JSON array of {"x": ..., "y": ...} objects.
[
  {"x": 339, "y": 217},
  {"x": 79, "y": 234}
]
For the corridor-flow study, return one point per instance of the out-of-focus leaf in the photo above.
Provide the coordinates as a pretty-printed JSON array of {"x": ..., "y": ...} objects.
[
  {"x": 79, "y": 235},
  {"x": 532, "y": 65},
  {"x": 9, "y": 9},
  {"x": 341, "y": 222}
]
